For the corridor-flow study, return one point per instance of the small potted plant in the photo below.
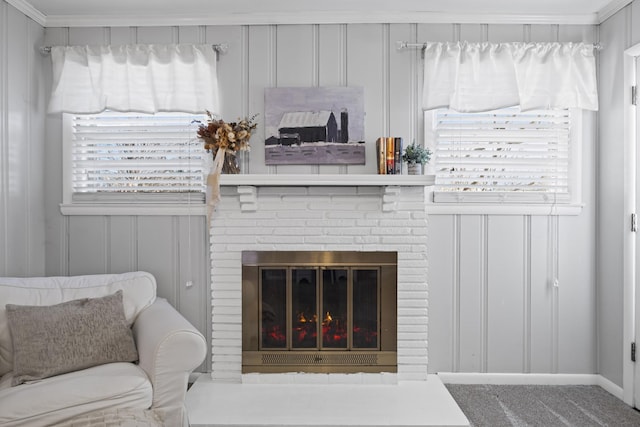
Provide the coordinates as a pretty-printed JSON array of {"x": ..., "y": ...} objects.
[{"x": 416, "y": 156}]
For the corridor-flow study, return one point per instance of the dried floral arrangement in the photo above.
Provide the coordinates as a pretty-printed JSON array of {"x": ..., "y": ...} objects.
[
  {"x": 224, "y": 140},
  {"x": 231, "y": 136}
]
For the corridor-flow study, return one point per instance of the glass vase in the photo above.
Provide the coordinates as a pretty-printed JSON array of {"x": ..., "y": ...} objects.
[{"x": 230, "y": 164}]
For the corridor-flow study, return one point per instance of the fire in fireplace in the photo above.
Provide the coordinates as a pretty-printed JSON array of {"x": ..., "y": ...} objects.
[{"x": 310, "y": 311}]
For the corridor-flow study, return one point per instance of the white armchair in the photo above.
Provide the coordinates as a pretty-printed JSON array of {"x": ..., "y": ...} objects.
[
  {"x": 149, "y": 392},
  {"x": 170, "y": 348}
]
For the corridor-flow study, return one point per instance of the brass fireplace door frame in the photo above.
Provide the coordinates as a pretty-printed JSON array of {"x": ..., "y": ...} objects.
[{"x": 382, "y": 359}]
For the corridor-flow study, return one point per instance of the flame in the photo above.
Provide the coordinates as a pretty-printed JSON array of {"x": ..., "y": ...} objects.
[
  {"x": 327, "y": 319},
  {"x": 274, "y": 334}
]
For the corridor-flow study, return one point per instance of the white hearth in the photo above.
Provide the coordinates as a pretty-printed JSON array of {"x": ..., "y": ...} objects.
[{"x": 277, "y": 217}]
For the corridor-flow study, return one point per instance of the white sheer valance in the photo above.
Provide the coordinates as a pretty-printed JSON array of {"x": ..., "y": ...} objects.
[
  {"x": 139, "y": 78},
  {"x": 473, "y": 77}
]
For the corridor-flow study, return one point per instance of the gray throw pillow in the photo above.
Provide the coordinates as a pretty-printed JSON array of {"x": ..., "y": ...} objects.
[{"x": 56, "y": 339}]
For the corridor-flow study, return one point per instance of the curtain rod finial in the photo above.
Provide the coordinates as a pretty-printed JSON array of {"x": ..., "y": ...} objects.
[{"x": 221, "y": 47}]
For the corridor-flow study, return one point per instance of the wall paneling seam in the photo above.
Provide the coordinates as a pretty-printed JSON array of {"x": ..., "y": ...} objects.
[
  {"x": 343, "y": 55},
  {"x": 273, "y": 69},
  {"x": 4, "y": 133},
  {"x": 28, "y": 209},
  {"x": 175, "y": 34},
  {"x": 553, "y": 267},
  {"x": 455, "y": 294},
  {"x": 315, "y": 55},
  {"x": 484, "y": 302},
  {"x": 244, "y": 70},
  {"x": 175, "y": 256},
  {"x": 202, "y": 34},
  {"x": 106, "y": 35},
  {"x": 526, "y": 351},
  {"x": 107, "y": 242},
  {"x": 484, "y": 32},
  {"x": 386, "y": 80},
  {"x": 65, "y": 260},
  {"x": 65, "y": 231},
  {"x": 343, "y": 58},
  {"x": 135, "y": 230},
  {"x": 315, "y": 70},
  {"x": 245, "y": 93},
  {"x": 414, "y": 105}
]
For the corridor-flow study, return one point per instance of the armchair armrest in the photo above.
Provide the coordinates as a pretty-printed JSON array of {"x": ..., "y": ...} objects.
[{"x": 169, "y": 349}]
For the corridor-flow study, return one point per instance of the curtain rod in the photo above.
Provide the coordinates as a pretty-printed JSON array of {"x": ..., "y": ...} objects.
[
  {"x": 407, "y": 45},
  {"x": 219, "y": 48}
]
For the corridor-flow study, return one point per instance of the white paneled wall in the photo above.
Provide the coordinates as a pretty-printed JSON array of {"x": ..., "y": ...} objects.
[
  {"x": 22, "y": 159},
  {"x": 491, "y": 306}
]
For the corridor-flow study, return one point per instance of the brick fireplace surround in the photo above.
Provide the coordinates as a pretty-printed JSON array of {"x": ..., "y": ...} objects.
[
  {"x": 300, "y": 217},
  {"x": 318, "y": 218}
]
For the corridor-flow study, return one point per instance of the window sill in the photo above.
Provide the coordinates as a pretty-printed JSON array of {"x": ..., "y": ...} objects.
[
  {"x": 503, "y": 209},
  {"x": 166, "y": 209}
]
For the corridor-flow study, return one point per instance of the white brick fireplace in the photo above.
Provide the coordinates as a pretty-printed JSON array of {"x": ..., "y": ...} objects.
[{"x": 363, "y": 217}]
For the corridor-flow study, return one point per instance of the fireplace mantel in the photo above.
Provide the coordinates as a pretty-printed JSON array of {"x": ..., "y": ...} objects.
[
  {"x": 325, "y": 180},
  {"x": 248, "y": 184}
]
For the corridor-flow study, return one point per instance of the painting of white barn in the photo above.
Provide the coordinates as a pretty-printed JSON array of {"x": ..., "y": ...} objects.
[{"x": 320, "y": 125}]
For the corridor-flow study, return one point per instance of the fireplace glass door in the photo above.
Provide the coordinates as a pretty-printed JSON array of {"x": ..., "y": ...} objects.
[
  {"x": 320, "y": 308},
  {"x": 274, "y": 303},
  {"x": 319, "y": 311},
  {"x": 304, "y": 309},
  {"x": 335, "y": 303},
  {"x": 365, "y": 309}
]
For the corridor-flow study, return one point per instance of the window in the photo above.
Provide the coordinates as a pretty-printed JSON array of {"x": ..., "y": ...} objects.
[
  {"x": 505, "y": 156},
  {"x": 133, "y": 158}
]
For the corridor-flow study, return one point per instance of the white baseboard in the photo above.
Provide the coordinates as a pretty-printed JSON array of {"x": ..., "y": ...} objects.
[
  {"x": 611, "y": 387},
  {"x": 532, "y": 379}
]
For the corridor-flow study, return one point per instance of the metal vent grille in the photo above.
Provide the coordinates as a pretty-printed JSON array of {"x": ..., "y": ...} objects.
[{"x": 316, "y": 359}]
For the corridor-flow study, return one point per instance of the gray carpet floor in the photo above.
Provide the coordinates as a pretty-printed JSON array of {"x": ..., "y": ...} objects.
[{"x": 548, "y": 406}]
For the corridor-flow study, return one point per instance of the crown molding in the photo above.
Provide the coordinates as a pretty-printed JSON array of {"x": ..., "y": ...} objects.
[
  {"x": 611, "y": 9},
  {"x": 30, "y": 11},
  {"x": 323, "y": 17},
  {"x": 317, "y": 17}
]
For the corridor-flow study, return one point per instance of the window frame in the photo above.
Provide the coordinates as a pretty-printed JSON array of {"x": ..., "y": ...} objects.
[
  {"x": 129, "y": 204},
  {"x": 573, "y": 206}
]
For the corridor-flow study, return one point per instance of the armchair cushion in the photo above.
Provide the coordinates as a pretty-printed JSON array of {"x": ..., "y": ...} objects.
[
  {"x": 56, "y": 399},
  {"x": 66, "y": 337}
]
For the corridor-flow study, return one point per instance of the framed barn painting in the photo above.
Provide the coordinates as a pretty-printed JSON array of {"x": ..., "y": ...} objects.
[{"x": 314, "y": 126}]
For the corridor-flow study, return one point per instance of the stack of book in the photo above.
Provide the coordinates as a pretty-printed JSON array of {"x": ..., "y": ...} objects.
[{"x": 389, "y": 155}]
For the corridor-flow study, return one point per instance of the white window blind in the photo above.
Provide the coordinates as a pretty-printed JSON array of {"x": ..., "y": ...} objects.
[
  {"x": 129, "y": 157},
  {"x": 502, "y": 156}
]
